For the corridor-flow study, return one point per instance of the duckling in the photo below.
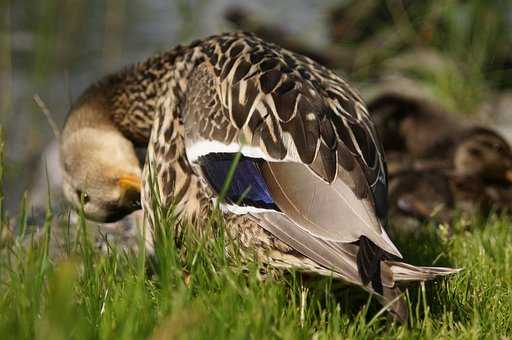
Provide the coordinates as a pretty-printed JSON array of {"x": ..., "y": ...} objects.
[
  {"x": 409, "y": 125},
  {"x": 482, "y": 171},
  {"x": 471, "y": 153},
  {"x": 424, "y": 195},
  {"x": 421, "y": 196},
  {"x": 310, "y": 188},
  {"x": 416, "y": 133},
  {"x": 482, "y": 153},
  {"x": 475, "y": 178}
]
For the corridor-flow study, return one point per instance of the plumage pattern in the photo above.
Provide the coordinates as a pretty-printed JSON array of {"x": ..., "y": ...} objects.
[
  {"x": 289, "y": 107},
  {"x": 310, "y": 191}
]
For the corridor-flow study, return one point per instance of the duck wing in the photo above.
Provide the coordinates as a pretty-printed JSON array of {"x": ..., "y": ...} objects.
[
  {"x": 311, "y": 162},
  {"x": 277, "y": 106}
]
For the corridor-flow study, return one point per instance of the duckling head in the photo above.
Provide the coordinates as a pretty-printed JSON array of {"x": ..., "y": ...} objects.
[
  {"x": 102, "y": 173},
  {"x": 485, "y": 154}
]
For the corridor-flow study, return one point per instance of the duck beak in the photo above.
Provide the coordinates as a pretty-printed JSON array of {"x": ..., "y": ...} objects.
[
  {"x": 130, "y": 189},
  {"x": 130, "y": 182}
]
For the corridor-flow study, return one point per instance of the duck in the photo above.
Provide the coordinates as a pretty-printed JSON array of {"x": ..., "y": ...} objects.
[
  {"x": 474, "y": 176},
  {"x": 417, "y": 197},
  {"x": 309, "y": 190},
  {"x": 418, "y": 131},
  {"x": 479, "y": 152},
  {"x": 410, "y": 125}
]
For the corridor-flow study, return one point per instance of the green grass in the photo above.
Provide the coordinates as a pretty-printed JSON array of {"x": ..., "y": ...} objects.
[{"x": 191, "y": 289}]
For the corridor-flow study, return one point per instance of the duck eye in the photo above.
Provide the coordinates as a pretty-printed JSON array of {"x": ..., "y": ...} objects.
[{"x": 82, "y": 196}]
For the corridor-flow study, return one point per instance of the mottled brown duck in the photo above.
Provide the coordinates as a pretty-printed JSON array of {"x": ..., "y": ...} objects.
[
  {"x": 310, "y": 188},
  {"x": 411, "y": 126},
  {"x": 473, "y": 177}
]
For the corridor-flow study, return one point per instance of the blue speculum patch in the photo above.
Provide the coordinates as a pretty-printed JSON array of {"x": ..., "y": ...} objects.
[{"x": 248, "y": 188}]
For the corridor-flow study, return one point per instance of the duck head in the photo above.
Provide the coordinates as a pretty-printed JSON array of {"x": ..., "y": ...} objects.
[
  {"x": 101, "y": 171},
  {"x": 485, "y": 154}
]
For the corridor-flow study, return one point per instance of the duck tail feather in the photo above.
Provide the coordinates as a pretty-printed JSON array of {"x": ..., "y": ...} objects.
[{"x": 406, "y": 272}]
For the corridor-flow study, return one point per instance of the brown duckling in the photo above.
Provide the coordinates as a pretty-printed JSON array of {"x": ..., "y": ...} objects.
[
  {"x": 476, "y": 177},
  {"x": 476, "y": 153},
  {"x": 421, "y": 194},
  {"x": 419, "y": 134},
  {"x": 416, "y": 197},
  {"x": 409, "y": 125},
  {"x": 483, "y": 153}
]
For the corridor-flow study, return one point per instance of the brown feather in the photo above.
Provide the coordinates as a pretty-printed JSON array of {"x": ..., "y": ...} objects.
[
  {"x": 328, "y": 211},
  {"x": 325, "y": 164}
]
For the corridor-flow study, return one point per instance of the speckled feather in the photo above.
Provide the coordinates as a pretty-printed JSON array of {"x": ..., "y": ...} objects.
[
  {"x": 264, "y": 92},
  {"x": 237, "y": 91},
  {"x": 291, "y": 107}
]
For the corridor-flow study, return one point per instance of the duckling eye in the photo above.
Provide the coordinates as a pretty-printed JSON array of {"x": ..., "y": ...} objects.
[
  {"x": 475, "y": 152},
  {"x": 499, "y": 147},
  {"x": 82, "y": 195}
]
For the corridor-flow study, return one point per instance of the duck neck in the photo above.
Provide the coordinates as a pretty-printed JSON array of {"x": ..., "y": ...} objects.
[{"x": 127, "y": 101}]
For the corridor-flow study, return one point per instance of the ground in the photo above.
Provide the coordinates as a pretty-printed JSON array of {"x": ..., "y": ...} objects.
[{"x": 191, "y": 290}]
